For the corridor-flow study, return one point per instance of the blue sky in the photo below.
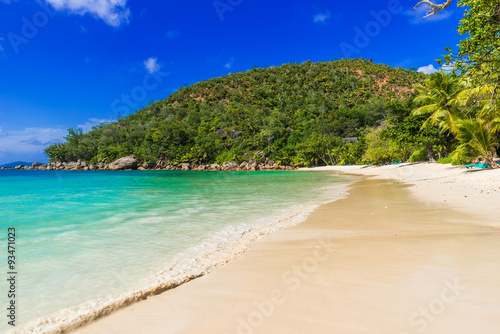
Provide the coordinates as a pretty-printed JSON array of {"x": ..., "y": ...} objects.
[{"x": 67, "y": 63}]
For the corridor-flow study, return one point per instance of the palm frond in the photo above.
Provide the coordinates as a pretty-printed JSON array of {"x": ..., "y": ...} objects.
[
  {"x": 478, "y": 135},
  {"x": 475, "y": 95},
  {"x": 431, "y": 108}
]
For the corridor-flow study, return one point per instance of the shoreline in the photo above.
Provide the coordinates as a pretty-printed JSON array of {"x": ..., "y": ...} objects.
[
  {"x": 472, "y": 191},
  {"x": 214, "y": 252},
  {"x": 363, "y": 264}
]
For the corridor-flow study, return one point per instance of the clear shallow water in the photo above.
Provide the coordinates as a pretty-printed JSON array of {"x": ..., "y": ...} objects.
[{"x": 88, "y": 235}]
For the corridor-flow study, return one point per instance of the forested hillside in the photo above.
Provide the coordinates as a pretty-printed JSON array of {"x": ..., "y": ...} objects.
[{"x": 295, "y": 114}]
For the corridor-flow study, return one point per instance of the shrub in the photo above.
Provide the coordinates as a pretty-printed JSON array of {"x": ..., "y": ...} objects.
[
  {"x": 379, "y": 148},
  {"x": 419, "y": 155},
  {"x": 463, "y": 155},
  {"x": 226, "y": 156},
  {"x": 446, "y": 160}
]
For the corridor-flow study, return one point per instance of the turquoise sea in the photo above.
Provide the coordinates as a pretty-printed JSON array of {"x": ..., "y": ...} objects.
[{"x": 88, "y": 241}]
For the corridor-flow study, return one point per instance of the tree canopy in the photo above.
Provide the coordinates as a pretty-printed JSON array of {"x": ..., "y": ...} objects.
[{"x": 295, "y": 114}]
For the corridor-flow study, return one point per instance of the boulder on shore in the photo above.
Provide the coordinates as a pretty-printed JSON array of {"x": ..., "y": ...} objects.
[
  {"x": 148, "y": 165},
  {"x": 185, "y": 166},
  {"x": 129, "y": 162},
  {"x": 214, "y": 167},
  {"x": 73, "y": 165}
]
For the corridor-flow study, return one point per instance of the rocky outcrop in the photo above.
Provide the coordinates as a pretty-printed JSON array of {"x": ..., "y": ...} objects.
[
  {"x": 230, "y": 165},
  {"x": 235, "y": 134},
  {"x": 73, "y": 165},
  {"x": 185, "y": 166},
  {"x": 129, "y": 162}
]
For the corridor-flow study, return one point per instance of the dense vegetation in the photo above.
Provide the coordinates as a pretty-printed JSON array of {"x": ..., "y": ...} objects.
[
  {"x": 295, "y": 114},
  {"x": 465, "y": 103}
]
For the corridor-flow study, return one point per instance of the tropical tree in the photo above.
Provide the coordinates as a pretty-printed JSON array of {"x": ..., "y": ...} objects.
[
  {"x": 477, "y": 101},
  {"x": 379, "y": 148},
  {"x": 439, "y": 96},
  {"x": 478, "y": 55},
  {"x": 463, "y": 109},
  {"x": 478, "y": 137}
]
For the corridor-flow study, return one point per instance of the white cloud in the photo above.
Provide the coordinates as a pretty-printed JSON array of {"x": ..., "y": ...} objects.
[
  {"x": 30, "y": 140},
  {"x": 448, "y": 68},
  {"x": 321, "y": 17},
  {"x": 1, "y": 48},
  {"x": 113, "y": 12},
  {"x": 171, "y": 34},
  {"x": 151, "y": 64},
  {"x": 427, "y": 69},
  {"x": 28, "y": 144},
  {"x": 87, "y": 126},
  {"x": 417, "y": 15},
  {"x": 229, "y": 63}
]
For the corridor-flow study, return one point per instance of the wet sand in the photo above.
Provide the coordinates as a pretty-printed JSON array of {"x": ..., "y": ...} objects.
[
  {"x": 378, "y": 261},
  {"x": 474, "y": 191}
]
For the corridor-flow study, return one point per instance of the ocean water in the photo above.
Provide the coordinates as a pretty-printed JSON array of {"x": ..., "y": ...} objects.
[{"x": 91, "y": 241}]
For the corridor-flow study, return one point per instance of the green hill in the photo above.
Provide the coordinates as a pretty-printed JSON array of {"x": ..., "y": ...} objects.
[{"x": 294, "y": 114}]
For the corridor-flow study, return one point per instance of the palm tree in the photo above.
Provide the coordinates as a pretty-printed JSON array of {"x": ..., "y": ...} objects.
[
  {"x": 440, "y": 98},
  {"x": 479, "y": 136},
  {"x": 482, "y": 104}
]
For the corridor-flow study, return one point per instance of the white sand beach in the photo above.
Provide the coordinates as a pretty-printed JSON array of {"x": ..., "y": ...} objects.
[{"x": 476, "y": 191}]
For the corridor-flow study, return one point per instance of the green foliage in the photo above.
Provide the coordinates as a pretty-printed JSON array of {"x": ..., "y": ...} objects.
[
  {"x": 439, "y": 98},
  {"x": 446, "y": 160},
  {"x": 419, "y": 155},
  {"x": 478, "y": 137},
  {"x": 478, "y": 57},
  {"x": 403, "y": 134},
  {"x": 228, "y": 156},
  {"x": 462, "y": 155},
  {"x": 380, "y": 149},
  {"x": 350, "y": 153},
  {"x": 295, "y": 114},
  {"x": 474, "y": 125}
]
